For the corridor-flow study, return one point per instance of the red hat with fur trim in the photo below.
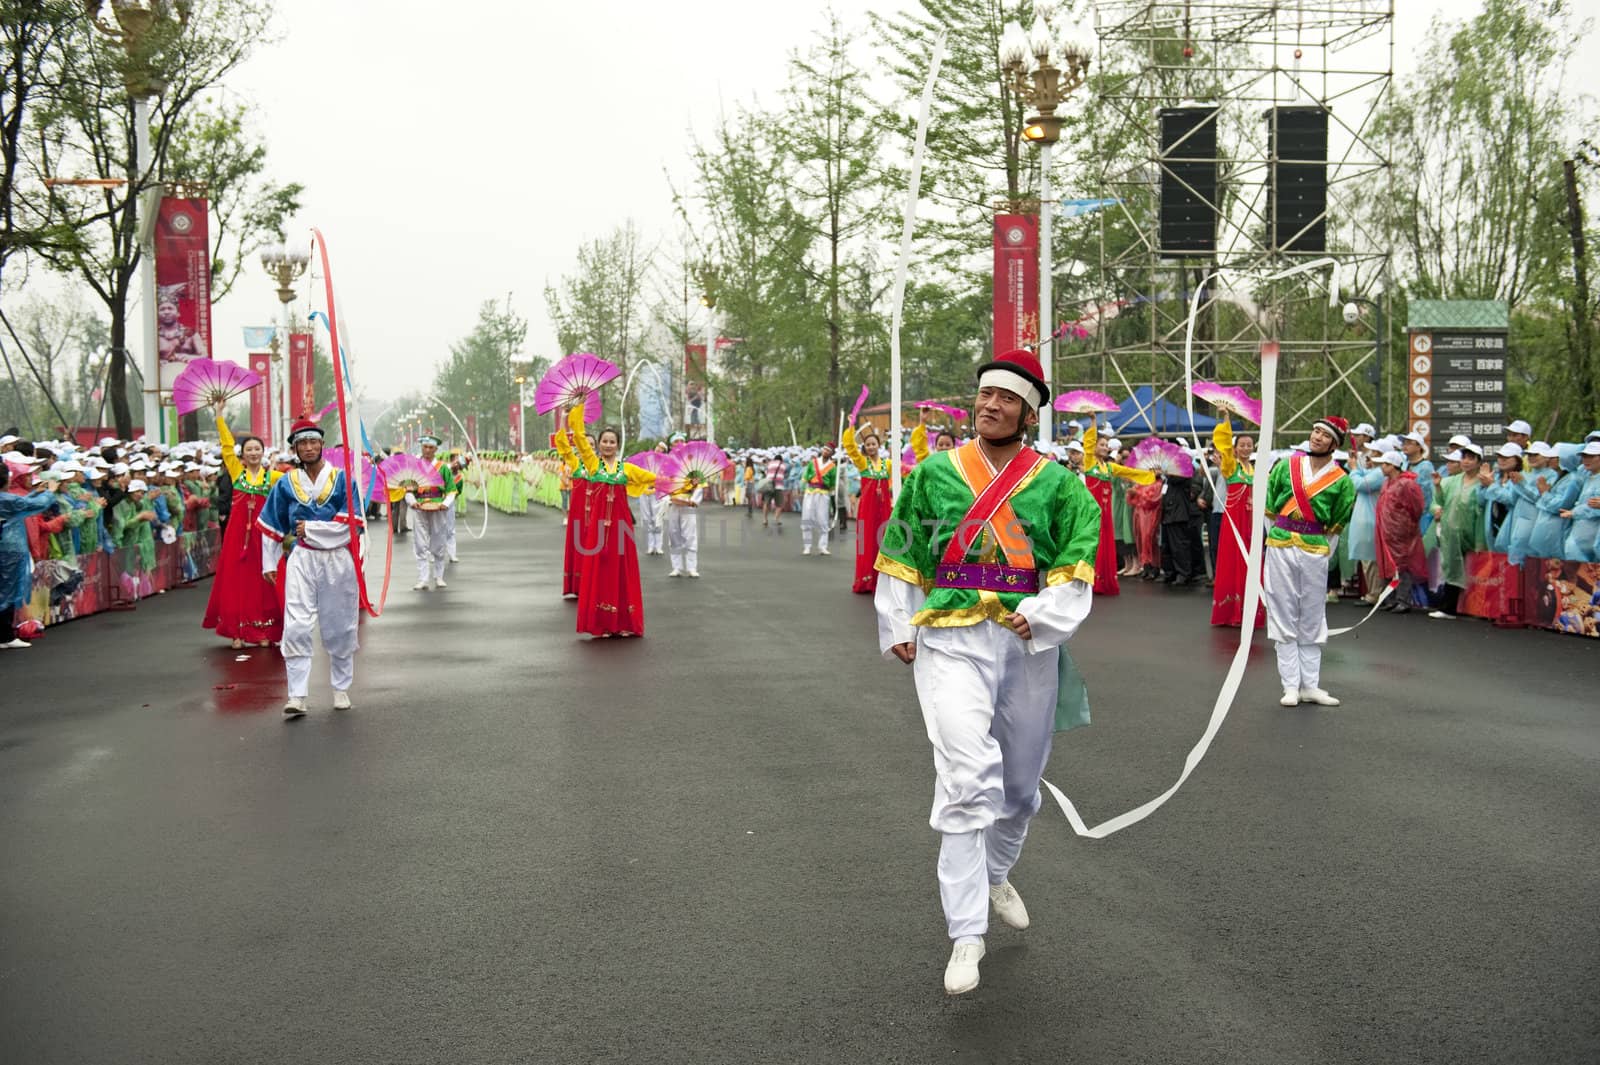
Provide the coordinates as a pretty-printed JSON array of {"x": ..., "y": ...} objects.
[
  {"x": 1336, "y": 427},
  {"x": 304, "y": 427},
  {"x": 1017, "y": 371}
]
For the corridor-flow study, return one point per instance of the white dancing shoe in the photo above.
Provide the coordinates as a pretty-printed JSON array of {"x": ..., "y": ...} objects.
[
  {"x": 420, "y": 586},
  {"x": 1291, "y": 697},
  {"x": 806, "y": 550},
  {"x": 676, "y": 573},
  {"x": 16, "y": 645},
  {"x": 454, "y": 559},
  {"x": 341, "y": 700},
  {"x": 961, "y": 975},
  {"x": 1008, "y": 905},
  {"x": 1318, "y": 696},
  {"x": 695, "y": 574},
  {"x": 440, "y": 583},
  {"x": 294, "y": 706},
  {"x": 823, "y": 551}
]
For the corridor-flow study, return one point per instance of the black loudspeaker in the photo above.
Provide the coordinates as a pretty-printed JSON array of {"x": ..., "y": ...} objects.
[
  {"x": 1297, "y": 178},
  {"x": 1188, "y": 180}
]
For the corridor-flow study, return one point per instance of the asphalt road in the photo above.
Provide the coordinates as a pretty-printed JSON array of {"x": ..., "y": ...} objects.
[{"x": 711, "y": 845}]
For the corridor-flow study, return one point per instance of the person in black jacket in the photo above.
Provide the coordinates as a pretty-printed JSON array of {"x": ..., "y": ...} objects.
[{"x": 1180, "y": 518}]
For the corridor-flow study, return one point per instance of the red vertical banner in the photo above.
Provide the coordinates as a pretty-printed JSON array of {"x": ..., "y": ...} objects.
[
  {"x": 302, "y": 397},
  {"x": 183, "y": 286},
  {"x": 1016, "y": 281},
  {"x": 261, "y": 397},
  {"x": 514, "y": 433},
  {"x": 472, "y": 430}
]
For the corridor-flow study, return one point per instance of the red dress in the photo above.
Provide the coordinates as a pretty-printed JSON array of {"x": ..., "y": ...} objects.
[
  {"x": 1146, "y": 500},
  {"x": 577, "y": 515},
  {"x": 609, "y": 597},
  {"x": 1105, "y": 558},
  {"x": 877, "y": 503},
  {"x": 243, "y": 606},
  {"x": 1227, "y": 592}
]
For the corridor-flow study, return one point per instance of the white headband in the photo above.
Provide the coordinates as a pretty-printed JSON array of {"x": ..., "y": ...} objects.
[{"x": 1011, "y": 381}]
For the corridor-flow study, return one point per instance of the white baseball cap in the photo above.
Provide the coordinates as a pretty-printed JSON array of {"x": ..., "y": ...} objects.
[
  {"x": 1460, "y": 440},
  {"x": 1076, "y": 445},
  {"x": 1364, "y": 429},
  {"x": 1591, "y": 448},
  {"x": 1510, "y": 450},
  {"x": 1539, "y": 447},
  {"x": 1415, "y": 438},
  {"x": 1454, "y": 456},
  {"x": 137, "y": 486},
  {"x": 1520, "y": 426},
  {"x": 1393, "y": 458},
  {"x": 8, "y": 439},
  {"x": 1468, "y": 445}
]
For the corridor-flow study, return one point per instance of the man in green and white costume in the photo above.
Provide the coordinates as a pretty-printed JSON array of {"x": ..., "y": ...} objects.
[
  {"x": 431, "y": 510},
  {"x": 990, "y": 559},
  {"x": 1309, "y": 500},
  {"x": 820, "y": 477}
]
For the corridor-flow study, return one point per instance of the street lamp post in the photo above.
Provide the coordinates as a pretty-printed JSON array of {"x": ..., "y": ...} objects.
[
  {"x": 1030, "y": 61},
  {"x": 706, "y": 274},
  {"x": 522, "y": 408},
  {"x": 285, "y": 263},
  {"x": 141, "y": 28}
]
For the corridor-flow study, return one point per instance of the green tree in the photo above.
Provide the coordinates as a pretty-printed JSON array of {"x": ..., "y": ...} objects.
[
  {"x": 602, "y": 306},
  {"x": 478, "y": 378},
  {"x": 87, "y": 127}
]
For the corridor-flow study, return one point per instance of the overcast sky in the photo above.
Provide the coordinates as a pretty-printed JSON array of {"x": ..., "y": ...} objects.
[{"x": 458, "y": 152}]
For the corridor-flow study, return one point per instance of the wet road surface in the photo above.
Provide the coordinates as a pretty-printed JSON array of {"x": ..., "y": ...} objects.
[{"x": 711, "y": 845}]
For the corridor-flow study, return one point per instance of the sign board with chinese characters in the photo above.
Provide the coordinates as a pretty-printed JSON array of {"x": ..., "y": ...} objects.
[{"x": 1456, "y": 384}]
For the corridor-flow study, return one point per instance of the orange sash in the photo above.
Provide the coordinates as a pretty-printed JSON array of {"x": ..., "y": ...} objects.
[{"x": 991, "y": 505}]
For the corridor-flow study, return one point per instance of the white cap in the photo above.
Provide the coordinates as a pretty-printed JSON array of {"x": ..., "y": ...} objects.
[
  {"x": 108, "y": 441},
  {"x": 1474, "y": 448},
  {"x": 1591, "y": 448},
  {"x": 1454, "y": 456},
  {"x": 120, "y": 468},
  {"x": 1341, "y": 456},
  {"x": 137, "y": 486},
  {"x": 95, "y": 473},
  {"x": 1509, "y": 450},
  {"x": 1415, "y": 438},
  {"x": 1539, "y": 447},
  {"x": 1380, "y": 446},
  {"x": 1114, "y": 444},
  {"x": 1393, "y": 458},
  {"x": 1460, "y": 440},
  {"x": 1365, "y": 429},
  {"x": 8, "y": 439},
  {"x": 1520, "y": 426},
  {"x": 1076, "y": 445},
  {"x": 1594, "y": 435},
  {"x": 1075, "y": 424}
]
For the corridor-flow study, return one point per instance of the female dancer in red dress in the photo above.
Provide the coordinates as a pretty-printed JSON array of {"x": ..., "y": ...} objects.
[
  {"x": 877, "y": 502},
  {"x": 1227, "y": 591},
  {"x": 1098, "y": 470},
  {"x": 243, "y": 607},
  {"x": 610, "y": 602},
  {"x": 577, "y": 508}
]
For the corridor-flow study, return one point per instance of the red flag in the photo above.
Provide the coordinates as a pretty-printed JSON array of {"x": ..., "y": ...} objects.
[
  {"x": 302, "y": 396},
  {"x": 183, "y": 285}
]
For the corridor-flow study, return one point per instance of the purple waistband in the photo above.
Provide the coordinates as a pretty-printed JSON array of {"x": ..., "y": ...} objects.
[
  {"x": 1297, "y": 525},
  {"x": 984, "y": 577}
]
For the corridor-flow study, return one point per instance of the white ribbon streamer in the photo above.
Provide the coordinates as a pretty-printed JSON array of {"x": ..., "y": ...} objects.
[
  {"x": 483, "y": 484},
  {"x": 1230, "y": 684}
]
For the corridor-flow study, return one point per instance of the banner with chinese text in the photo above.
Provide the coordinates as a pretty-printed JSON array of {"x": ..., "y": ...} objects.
[
  {"x": 261, "y": 397},
  {"x": 1016, "y": 281},
  {"x": 302, "y": 394}
]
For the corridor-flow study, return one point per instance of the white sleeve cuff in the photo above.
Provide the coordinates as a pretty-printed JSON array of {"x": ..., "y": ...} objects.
[
  {"x": 897, "y": 602},
  {"x": 1054, "y": 614}
]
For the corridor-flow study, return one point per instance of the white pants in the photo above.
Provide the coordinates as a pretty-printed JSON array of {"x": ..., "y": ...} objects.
[
  {"x": 430, "y": 543},
  {"x": 989, "y": 708},
  {"x": 320, "y": 594},
  {"x": 683, "y": 538},
  {"x": 1296, "y": 590},
  {"x": 449, "y": 514},
  {"x": 814, "y": 519},
  {"x": 647, "y": 515}
]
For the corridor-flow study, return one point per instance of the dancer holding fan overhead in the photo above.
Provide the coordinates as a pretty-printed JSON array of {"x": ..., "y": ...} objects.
[
  {"x": 574, "y": 381},
  {"x": 244, "y": 605},
  {"x": 876, "y": 502},
  {"x": 1234, "y": 454},
  {"x": 610, "y": 602}
]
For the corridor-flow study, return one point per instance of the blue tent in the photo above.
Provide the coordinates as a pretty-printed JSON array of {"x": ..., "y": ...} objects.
[{"x": 1138, "y": 416}]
